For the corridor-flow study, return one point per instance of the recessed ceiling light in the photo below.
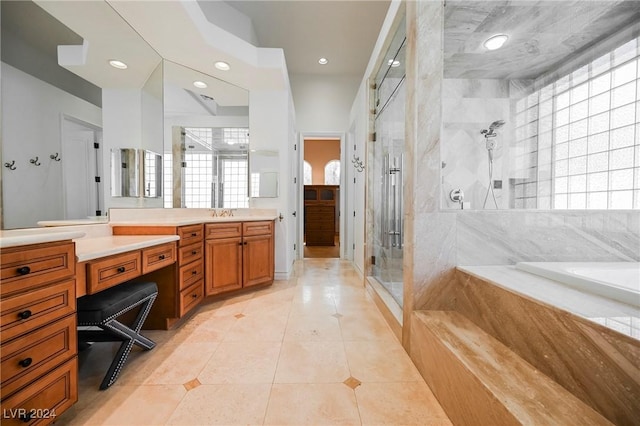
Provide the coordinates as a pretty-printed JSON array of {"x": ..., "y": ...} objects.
[
  {"x": 222, "y": 66},
  {"x": 200, "y": 84},
  {"x": 393, "y": 63},
  {"x": 496, "y": 41},
  {"x": 118, "y": 64},
  {"x": 323, "y": 61}
]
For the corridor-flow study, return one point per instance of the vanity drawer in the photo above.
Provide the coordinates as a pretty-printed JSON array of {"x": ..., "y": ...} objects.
[
  {"x": 47, "y": 397},
  {"x": 190, "y": 234},
  {"x": 223, "y": 230},
  {"x": 191, "y": 297},
  {"x": 257, "y": 228},
  {"x": 25, "y": 312},
  {"x": 30, "y": 356},
  {"x": 26, "y": 268},
  {"x": 188, "y": 254},
  {"x": 113, "y": 270},
  {"x": 158, "y": 257},
  {"x": 191, "y": 273}
]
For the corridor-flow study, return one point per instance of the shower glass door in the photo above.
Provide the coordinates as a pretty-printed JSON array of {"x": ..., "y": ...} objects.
[{"x": 388, "y": 166}]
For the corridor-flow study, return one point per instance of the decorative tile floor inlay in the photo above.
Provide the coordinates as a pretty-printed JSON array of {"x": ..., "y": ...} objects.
[
  {"x": 352, "y": 382},
  {"x": 192, "y": 384},
  {"x": 285, "y": 363}
]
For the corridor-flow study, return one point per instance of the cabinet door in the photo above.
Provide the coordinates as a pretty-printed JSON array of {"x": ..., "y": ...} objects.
[
  {"x": 224, "y": 265},
  {"x": 258, "y": 259}
]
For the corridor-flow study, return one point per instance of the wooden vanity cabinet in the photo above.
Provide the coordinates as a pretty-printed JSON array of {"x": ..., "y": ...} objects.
[
  {"x": 38, "y": 340},
  {"x": 178, "y": 272},
  {"x": 238, "y": 255}
]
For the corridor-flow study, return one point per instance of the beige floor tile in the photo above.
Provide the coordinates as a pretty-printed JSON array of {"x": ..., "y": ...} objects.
[
  {"x": 242, "y": 362},
  {"x": 182, "y": 364},
  {"x": 324, "y": 306},
  {"x": 313, "y": 328},
  {"x": 312, "y": 362},
  {"x": 312, "y": 404},
  {"x": 364, "y": 326},
  {"x": 267, "y": 306},
  {"x": 258, "y": 327},
  {"x": 400, "y": 403},
  {"x": 380, "y": 361},
  {"x": 212, "y": 329},
  {"x": 129, "y": 405},
  {"x": 227, "y": 404}
]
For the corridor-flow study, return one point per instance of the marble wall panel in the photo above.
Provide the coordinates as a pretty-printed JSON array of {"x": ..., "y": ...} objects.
[{"x": 507, "y": 237}]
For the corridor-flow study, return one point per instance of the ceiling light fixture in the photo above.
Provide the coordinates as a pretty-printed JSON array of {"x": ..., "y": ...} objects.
[
  {"x": 496, "y": 41},
  {"x": 323, "y": 61},
  {"x": 200, "y": 84},
  {"x": 118, "y": 64},
  {"x": 222, "y": 66},
  {"x": 393, "y": 63}
]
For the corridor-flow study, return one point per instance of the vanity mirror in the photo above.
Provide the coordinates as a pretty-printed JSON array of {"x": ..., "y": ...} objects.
[
  {"x": 125, "y": 173},
  {"x": 206, "y": 133},
  {"x": 151, "y": 174},
  {"x": 71, "y": 116},
  {"x": 264, "y": 166}
]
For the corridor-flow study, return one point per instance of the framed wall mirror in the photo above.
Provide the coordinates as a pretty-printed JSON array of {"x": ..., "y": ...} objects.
[
  {"x": 263, "y": 174},
  {"x": 151, "y": 174},
  {"x": 125, "y": 172}
]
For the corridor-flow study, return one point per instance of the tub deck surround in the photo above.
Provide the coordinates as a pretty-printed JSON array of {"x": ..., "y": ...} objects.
[
  {"x": 500, "y": 387},
  {"x": 554, "y": 328}
]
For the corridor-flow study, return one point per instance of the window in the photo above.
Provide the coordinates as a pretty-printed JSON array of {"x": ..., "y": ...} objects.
[
  {"x": 234, "y": 180},
  {"x": 167, "y": 170},
  {"x": 308, "y": 176},
  {"x": 332, "y": 173},
  {"x": 578, "y": 139},
  {"x": 197, "y": 180}
]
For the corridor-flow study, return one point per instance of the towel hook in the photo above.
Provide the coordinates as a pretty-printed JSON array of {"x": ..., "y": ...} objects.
[
  {"x": 34, "y": 161},
  {"x": 55, "y": 157},
  {"x": 11, "y": 165}
]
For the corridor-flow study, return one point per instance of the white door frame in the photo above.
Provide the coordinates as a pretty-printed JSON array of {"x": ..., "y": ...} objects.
[{"x": 343, "y": 187}]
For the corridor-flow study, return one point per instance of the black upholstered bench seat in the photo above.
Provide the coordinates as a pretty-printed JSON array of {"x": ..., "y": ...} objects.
[
  {"x": 96, "y": 308},
  {"x": 103, "y": 309}
]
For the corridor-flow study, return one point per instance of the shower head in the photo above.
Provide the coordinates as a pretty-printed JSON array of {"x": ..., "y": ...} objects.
[
  {"x": 496, "y": 125},
  {"x": 490, "y": 133}
]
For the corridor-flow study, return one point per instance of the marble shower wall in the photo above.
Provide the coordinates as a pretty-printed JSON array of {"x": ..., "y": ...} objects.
[{"x": 469, "y": 106}]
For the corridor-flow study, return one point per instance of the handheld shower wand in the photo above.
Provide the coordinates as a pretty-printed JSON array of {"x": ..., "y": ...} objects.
[{"x": 490, "y": 143}]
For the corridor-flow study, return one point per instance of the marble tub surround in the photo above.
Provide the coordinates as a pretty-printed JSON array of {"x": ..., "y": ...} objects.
[{"x": 598, "y": 365}]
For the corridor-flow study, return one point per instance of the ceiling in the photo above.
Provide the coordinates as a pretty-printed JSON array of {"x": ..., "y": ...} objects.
[
  {"x": 344, "y": 32},
  {"x": 542, "y": 34}
]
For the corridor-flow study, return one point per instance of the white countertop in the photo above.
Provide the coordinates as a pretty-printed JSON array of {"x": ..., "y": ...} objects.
[
  {"x": 72, "y": 222},
  {"x": 93, "y": 248},
  {"x": 612, "y": 314},
  {"x": 22, "y": 237},
  {"x": 191, "y": 220}
]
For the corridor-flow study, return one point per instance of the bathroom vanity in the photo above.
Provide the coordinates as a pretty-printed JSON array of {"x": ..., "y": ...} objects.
[{"x": 45, "y": 270}]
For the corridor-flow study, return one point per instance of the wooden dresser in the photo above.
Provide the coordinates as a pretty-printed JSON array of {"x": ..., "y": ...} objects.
[
  {"x": 320, "y": 205},
  {"x": 38, "y": 332}
]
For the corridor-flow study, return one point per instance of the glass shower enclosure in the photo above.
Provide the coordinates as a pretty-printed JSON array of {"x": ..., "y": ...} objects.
[{"x": 387, "y": 171}]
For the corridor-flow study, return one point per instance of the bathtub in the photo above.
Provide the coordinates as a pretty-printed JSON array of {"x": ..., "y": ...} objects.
[{"x": 615, "y": 280}]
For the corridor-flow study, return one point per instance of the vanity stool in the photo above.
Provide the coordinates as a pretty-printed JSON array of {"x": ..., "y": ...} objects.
[{"x": 103, "y": 310}]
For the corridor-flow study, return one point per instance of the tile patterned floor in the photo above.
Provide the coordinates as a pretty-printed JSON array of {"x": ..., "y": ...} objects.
[{"x": 313, "y": 350}]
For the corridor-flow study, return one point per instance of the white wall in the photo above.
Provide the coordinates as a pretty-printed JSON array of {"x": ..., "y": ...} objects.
[
  {"x": 272, "y": 127},
  {"x": 32, "y": 127},
  {"x": 323, "y": 102}
]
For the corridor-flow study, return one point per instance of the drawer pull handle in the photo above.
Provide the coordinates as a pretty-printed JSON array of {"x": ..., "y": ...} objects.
[
  {"x": 194, "y": 234},
  {"x": 194, "y": 252},
  {"x": 121, "y": 269},
  {"x": 240, "y": 243},
  {"x": 25, "y": 362},
  {"x": 161, "y": 257},
  {"x": 194, "y": 272},
  {"x": 25, "y": 418},
  {"x": 24, "y": 314},
  {"x": 24, "y": 270},
  {"x": 245, "y": 243},
  {"x": 195, "y": 296}
]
